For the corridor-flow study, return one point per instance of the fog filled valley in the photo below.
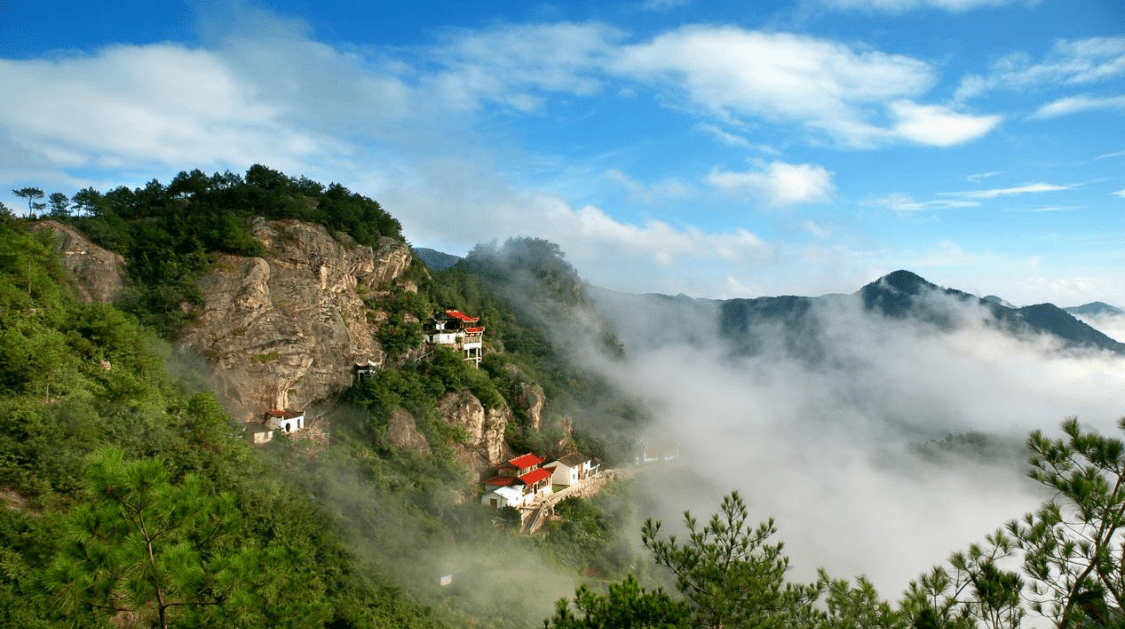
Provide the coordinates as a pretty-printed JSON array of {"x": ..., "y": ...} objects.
[
  {"x": 896, "y": 444},
  {"x": 143, "y": 483}
]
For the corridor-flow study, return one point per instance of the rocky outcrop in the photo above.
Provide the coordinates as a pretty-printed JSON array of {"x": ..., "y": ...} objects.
[
  {"x": 286, "y": 330},
  {"x": 529, "y": 396},
  {"x": 98, "y": 274},
  {"x": 402, "y": 433},
  {"x": 484, "y": 445}
]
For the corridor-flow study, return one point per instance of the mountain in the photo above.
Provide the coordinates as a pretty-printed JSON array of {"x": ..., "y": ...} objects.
[
  {"x": 138, "y": 339},
  {"x": 998, "y": 300},
  {"x": 795, "y": 325},
  {"x": 1095, "y": 309},
  {"x": 436, "y": 260},
  {"x": 903, "y": 294}
]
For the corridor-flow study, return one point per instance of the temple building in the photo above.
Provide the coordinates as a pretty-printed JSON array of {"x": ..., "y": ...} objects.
[{"x": 459, "y": 331}]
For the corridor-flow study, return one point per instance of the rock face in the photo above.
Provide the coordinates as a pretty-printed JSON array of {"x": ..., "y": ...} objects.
[
  {"x": 531, "y": 398},
  {"x": 97, "y": 273},
  {"x": 285, "y": 331},
  {"x": 402, "y": 433},
  {"x": 484, "y": 447}
]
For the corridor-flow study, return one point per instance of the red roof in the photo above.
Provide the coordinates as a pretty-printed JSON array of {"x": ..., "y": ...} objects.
[
  {"x": 457, "y": 314},
  {"x": 475, "y": 330},
  {"x": 533, "y": 477},
  {"x": 500, "y": 481},
  {"x": 521, "y": 462}
]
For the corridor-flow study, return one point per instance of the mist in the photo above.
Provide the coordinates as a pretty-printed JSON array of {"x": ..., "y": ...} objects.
[
  {"x": 825, "y": 446},
  {"x": 1110, "y": 325}
]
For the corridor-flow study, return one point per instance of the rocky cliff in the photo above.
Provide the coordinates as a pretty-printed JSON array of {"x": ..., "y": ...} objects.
[
  {"x": 484, "y": 446},
  {"x": 96, "y": 273},
  {"x": 286, "y": 330}
]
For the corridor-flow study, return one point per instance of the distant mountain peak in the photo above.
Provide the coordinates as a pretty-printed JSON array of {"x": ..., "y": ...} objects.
[
  {"x": 905, "y": 282},
  {"x": 1000, "y": 301},
  {"x": 1095, "y": 308}
]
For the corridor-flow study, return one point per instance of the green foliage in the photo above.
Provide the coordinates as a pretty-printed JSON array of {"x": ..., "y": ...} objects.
[
  {"x": 60, "y": 205},
  {"x": 142, "y": 547},
  {"x": 727, "y": 573},
  {"x": 1069, "y": 551},
  {"x": 529, "y": 298},
  {"x": 396, "y": 336},
  {"x": 1073, "y": 551},
  {"x": 973, "y": 446},
  {"x": 31, "y": 194},
  {"x": 170, "y": 235},
  {"x": 627, "y": 605},
  {"x": 590, "y": 536},
  {"x": 856, "y": 607}
]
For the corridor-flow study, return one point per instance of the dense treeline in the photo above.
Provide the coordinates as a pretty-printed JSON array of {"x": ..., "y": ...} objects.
[
  {"x": 229, "y": 554},
  {"x": 128, "y": 497},
  {"x": 538, "y": 316},
  {"x": 169, "y": 234}
]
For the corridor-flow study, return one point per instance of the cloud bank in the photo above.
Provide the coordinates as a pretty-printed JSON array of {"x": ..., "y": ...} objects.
[{"x": 824, "y": 447}]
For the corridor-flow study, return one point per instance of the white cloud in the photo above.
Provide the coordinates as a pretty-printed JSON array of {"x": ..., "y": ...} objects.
[
  {"x": 665, "y": 5},
  {"x": 993, "y": 193},
  {"x": 936, "y": 125},
  {"x": 904, "y": 203},
  {"x": 1120, "y": 193},
  {"x": 828, "y": 87},
  {"x": 664, "y": 243},
  {"x": 1046, "y": 208},
  {"x": 732, "y": 139},
  {"x": 515, "y": 65},
  {"x": 669, "y": 188},
  {"x": 816, "y": 229},
  {"x": 161, "y": 103},
  {"x": 1070, "y": 62},
  {"x": 902, "y": 6},
  {"x": 1078, "y": 104},
  {"x": 835, "y": 436},
  {"x": 422, "y": 199},
  {"x": 982, "y": 176},
  {"x": 779, "y": 184}
]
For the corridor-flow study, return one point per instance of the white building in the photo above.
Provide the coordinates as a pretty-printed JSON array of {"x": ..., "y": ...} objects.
[
  {"x": 504, "y": 497},
  {"x": 572, "y": 468},
  {"x": 456, "y": 329},
  {"x": 522, "y": 475}
]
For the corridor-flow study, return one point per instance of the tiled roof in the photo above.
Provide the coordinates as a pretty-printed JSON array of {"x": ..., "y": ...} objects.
[
  {"x": 475, "y": 330},
  {"x": 500, "y": 481},
  {"x": 521, "y": 462},
  {"x": 457, "y": 314},
  {"x": 536, "y": 476},
  {"x": 574, "y": 459},
  {"x": 287, "y": 413}
]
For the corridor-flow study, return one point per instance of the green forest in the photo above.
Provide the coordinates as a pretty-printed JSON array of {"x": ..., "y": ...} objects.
[{"x": 130, "y": 498}]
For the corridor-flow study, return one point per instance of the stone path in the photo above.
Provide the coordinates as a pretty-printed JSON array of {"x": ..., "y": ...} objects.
[{"x": 535, "y": 515}]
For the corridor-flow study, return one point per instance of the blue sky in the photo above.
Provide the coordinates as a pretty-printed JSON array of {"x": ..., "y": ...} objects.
[{"x": 668, "y": 146}]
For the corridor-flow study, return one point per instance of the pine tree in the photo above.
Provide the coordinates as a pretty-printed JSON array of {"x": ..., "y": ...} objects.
[{"x": 145, "y": 550}]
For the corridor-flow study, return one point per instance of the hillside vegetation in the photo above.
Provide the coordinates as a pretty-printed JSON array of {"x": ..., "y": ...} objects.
[{"x": 130, "y": 498}]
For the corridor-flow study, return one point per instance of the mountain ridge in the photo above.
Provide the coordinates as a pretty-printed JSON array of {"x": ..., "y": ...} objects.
[{"x": 899, "y": 295}]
